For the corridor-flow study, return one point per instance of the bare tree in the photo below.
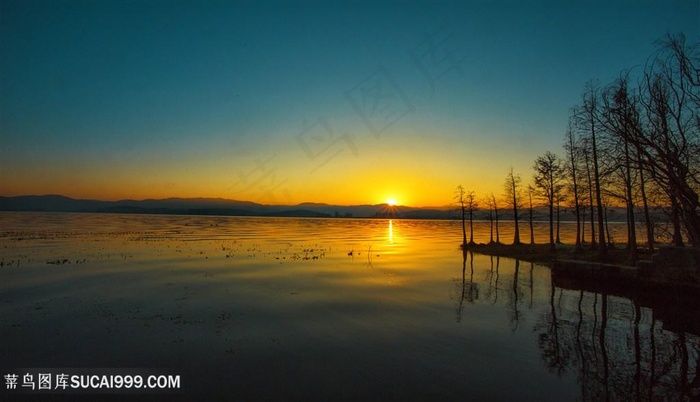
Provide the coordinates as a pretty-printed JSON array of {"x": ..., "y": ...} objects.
[
  {"x": 548, "y": 184},
  {"x": 588, "y": 120},
  {"x": 512, "y": 198},
  {"x": 589, "y": 186},
  {"x": 490, "y": 203},
  {"x": 461, "y": 201},
  {"x": 472, "y": 206},
  {"x": 560, "y": 197},
  {"x": 671, "y": 144},
  {"x": 530, "y": 214},
  {"x": 619, "y": 119},
  {"x": 572, "y": 170},
  {"x": 495, "y": 210}
]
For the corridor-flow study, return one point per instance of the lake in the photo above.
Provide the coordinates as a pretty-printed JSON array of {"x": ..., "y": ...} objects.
[{"x": 330, "y": 309}]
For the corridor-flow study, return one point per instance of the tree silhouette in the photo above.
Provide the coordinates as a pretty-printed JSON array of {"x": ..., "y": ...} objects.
[
  {"x": 619, "y": 118},
  {"x": 494, "y": 204},
  {"x": 530, "y": 213},
  {"x": 490, "y": 216},
  {"x": 512, "y": 198},
  {"x": 670, "y": 144},
  {"x": 588, "y": 120},
  {"x": 460, "y": 198},
  {"x": 471, "y": 206},
  {"x": 573, "y": 153},
  {"x": 637, "y": 138},
  {"x": 548, "y": 184}
]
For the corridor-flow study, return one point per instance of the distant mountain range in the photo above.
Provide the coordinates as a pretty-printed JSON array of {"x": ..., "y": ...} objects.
[
  {"x": 220, "y": 206},
  {"x": 217, "y": 206}
]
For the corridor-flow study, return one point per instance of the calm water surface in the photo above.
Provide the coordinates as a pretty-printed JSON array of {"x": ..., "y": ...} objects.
[{"x": 282, "y": 308}]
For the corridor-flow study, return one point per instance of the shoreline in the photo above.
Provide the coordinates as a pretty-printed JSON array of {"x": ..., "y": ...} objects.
[
  {"x": 649, "y": 268},
  {"x": 542, "y": 252}
]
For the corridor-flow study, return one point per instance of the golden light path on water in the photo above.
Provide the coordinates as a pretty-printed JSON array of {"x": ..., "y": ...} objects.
[{"x": 391, "y": 232}]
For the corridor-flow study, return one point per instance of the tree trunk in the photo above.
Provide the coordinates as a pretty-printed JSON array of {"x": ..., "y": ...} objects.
[
  {"x": 532, "y": 231},
  {"x": 516, "y": 236},
  {"x": 609, "y": 237},
  {"x": 602, "y": 247},
  {"x": 471, "y": 226},
  {"x": 464, "y": 227},
  {"x": 647, "y": 217},
  {"x": 551, "y": 215},
  {"x": 690, "y": 208},
  {"x": 676, "y": 221},
  {"x": 631, "y": 227},
  {"x": 498, "y": 237},
  {"x": 558, "y": 240},
  {"x": 571, "y": 146},
  {"x": 590, "y": 203},
  {"x": 583, "y": 226}
]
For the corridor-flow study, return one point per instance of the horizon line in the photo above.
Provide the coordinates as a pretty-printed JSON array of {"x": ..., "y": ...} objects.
[{"x": 223, "y": 199}]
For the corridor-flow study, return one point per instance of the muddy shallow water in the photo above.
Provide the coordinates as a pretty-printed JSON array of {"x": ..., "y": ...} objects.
[{"x": 287, "y": 308}]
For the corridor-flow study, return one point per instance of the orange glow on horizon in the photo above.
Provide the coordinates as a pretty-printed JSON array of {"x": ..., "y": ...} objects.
[{"x": 392, "y": 184}]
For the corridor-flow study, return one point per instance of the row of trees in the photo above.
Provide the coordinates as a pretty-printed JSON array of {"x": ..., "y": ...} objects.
[{"x": 635, "y": 143}]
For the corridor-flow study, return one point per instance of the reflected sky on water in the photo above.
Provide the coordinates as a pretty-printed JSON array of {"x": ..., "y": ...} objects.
[{"x": 327, "y": 308}]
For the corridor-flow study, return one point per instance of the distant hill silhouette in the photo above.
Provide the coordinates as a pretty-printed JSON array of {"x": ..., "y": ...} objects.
[
  {"x": 224, "y": 207},
  {"x": 214, "y": 206}
]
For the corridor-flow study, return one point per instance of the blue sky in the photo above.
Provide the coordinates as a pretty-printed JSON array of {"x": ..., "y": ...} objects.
[{"x": 275, "y": 102}]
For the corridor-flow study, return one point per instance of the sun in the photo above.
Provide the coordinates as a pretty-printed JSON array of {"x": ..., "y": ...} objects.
[{"x": 391, "y": 202}]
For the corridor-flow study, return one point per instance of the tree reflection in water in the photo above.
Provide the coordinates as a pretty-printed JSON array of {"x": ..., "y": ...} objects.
[
  {"x": 620, "y": 342},
  {"x": 618, "y": 346},
  {"x": 469, "y": 289}
]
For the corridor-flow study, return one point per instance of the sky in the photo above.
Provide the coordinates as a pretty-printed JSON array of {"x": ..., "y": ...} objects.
[{"x": 283, "y": 103}]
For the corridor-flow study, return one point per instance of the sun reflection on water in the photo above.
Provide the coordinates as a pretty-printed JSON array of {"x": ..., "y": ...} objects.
[{"x": 391, "y": 232}]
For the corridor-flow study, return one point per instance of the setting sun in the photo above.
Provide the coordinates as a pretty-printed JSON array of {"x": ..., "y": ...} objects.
[{"x": 391, "y": 201}]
